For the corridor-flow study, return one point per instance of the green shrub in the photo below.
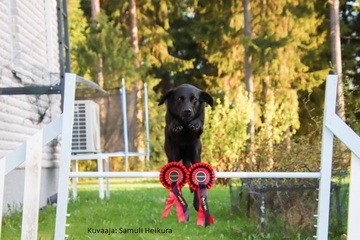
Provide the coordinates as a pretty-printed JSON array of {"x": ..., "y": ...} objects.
[{"x": 225, "y": 137}]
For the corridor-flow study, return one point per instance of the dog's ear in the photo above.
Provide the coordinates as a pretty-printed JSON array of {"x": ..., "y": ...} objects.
[
  {"x": 166, "y": 96},
  {"x": 207, "y": 98}
]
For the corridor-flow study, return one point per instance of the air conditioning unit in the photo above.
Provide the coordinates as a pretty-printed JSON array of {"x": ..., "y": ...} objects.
[{"x": 86, "y": 128}]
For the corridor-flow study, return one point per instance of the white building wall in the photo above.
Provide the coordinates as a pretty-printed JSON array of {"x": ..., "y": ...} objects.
[{"x": 28, "y": 56}]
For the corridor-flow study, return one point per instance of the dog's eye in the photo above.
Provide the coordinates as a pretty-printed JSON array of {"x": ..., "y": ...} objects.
[
  {"x": 180, "y": 99},
  {"x": 193, "y": 99}
]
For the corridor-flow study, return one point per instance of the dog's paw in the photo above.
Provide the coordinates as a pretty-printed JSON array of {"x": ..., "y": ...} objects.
[
  {"x": 195, "y": 126},
  {"x": 177, "y": 128}
]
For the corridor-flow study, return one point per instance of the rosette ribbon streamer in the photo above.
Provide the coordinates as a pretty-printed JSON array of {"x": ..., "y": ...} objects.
[
  {"x": 202, "y": 178},
  {"x": 173, "y": 176}
]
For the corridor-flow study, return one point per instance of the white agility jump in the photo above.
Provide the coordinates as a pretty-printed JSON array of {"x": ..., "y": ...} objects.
[{"x": 332, "y": 125}]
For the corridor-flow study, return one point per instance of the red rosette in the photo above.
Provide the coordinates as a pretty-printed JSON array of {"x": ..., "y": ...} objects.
[
  {"x": 201, "y": 173},
  {"x": 173, "y": 172}
]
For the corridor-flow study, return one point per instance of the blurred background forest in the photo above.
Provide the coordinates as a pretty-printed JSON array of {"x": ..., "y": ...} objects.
[{"x": 265, "y": 65}]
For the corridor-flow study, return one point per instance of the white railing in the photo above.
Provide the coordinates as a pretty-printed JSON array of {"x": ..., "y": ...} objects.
[
  {"x": 30, "y": 152},
  {"x": 332, "y": 125}
]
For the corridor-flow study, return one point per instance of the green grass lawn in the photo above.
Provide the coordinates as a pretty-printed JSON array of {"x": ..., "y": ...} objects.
[{"x": 135, "y": 205}]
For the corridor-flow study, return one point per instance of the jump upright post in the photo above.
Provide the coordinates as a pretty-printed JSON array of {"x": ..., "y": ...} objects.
[
  {"x": 334, "y": 125},
  {"x": 127, "y": 154},
  {"x": 66, "y": 142}
]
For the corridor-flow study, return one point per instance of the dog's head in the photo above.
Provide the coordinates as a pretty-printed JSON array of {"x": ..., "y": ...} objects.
[{"x": 186, "y": 101}]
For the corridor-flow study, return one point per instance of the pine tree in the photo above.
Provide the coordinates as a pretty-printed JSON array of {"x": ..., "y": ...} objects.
[
  {"x": 284, "y": 34},
  {"x": 77, "y": 25}
]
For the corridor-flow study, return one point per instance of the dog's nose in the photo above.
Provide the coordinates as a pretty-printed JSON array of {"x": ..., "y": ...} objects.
[{"x": 187, "y": 111}]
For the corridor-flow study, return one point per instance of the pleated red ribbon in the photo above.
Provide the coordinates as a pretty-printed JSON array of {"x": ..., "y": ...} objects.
[{"x": 180, "y": 204}]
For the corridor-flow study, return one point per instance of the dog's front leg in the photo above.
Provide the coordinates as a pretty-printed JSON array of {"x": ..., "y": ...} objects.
[
  {"x": 175, "y": 126},
  {"x": 196, "y": 126}
]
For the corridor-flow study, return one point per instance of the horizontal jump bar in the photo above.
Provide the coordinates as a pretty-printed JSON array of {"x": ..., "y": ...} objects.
[
  {"x": 92, "y": 156},
  {"x": 217, "y": 174}
]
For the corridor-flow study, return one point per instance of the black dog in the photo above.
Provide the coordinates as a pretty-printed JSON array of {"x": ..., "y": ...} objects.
[{"x": 184, "y": 124}]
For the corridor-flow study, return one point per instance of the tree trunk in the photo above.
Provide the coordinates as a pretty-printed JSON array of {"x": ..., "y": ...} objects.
[
  {"x": 137, "y": 85},
  {"x": 269, "y": 114},
  {"x": 95, "y": 10},
  {"x": 249, "y": 81},
  {"x": 134, "y": 31},
  {"x": 336, "y": 55}
]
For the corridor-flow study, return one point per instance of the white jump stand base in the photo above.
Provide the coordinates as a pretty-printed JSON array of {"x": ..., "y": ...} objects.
[{"x": 102, "y": 162}]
